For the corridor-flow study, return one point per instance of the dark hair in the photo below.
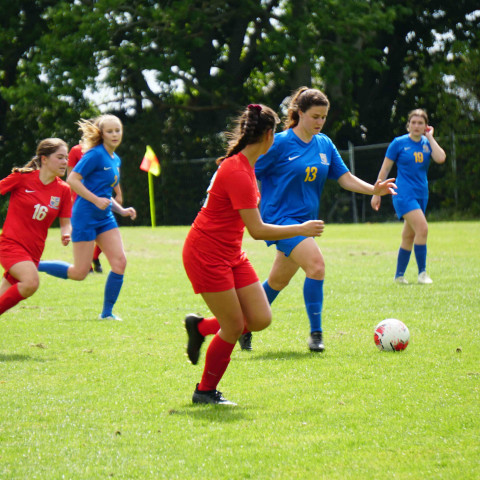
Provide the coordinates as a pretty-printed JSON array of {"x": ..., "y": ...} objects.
[
  {"x": 250, "y": 126},
  {"x": 45, "y": 148},
  {"x": 418, "y": 112},
  {"x": 301, "y": 100}
]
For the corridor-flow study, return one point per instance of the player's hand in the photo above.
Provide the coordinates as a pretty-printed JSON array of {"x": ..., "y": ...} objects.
[
  {"x": 384, "y": 188},
  {"x": 129, "y": 212},
  {"x": 429, "y": 130},
  {"x": 313, "y": 228},
  {"x": 375, "y": 202},
  {"x": 102, "y": 203},
  {"x": 65, "y": 239}
]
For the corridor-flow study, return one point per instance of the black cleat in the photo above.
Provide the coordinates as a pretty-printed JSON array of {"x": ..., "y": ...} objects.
[
  {"x": 195, "y": 338},
  {"x": 97, "y": 267},
  {"x": 315, "y": 342},
  {"x": 245, "y": 341},
  {"x": 213, "y": 397}
]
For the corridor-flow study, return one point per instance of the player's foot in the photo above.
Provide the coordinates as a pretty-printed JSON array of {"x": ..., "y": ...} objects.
[
  {"x": 245, "y": 341},
  {"x": 401, "y": 280},
  {"x": 210, "y": 396},
  {"x": 315, "y": 342},
  {"x": 91, "y": 270},
  {"x": 110, "y": 317},
  {"x": 97, "y": 267},
  {"x": 195, "y": 338},
  {"x": 424, "y": 279}
]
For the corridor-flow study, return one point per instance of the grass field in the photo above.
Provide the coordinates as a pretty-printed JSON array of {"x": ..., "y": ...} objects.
[{"x": 83, "y": 399}]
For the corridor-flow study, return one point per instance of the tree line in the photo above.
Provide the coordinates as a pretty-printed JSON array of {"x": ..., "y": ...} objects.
[{"x": 176, "y": 72}]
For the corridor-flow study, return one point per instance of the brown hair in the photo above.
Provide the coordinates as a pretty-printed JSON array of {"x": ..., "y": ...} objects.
[
  {"x": 46, "y": 147},
  {"x": 249, "y": 128},
  {"x": 301, "y": 100},
  {"x": 92, "y": 130},
  {"x": 418, "y": 112}
]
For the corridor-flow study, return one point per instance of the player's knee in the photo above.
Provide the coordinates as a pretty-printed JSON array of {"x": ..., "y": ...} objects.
[
  {"x": 78, "y": 274},
  {"x": 28, "y": 287},
  {"x": 316, "y": 270}
]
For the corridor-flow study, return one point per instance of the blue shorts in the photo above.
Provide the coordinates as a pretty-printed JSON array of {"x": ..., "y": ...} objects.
[
  {"x": 88, "y": 229},
  {"x": 288, "y": 244},
  {"x": 403, "y": 205}
]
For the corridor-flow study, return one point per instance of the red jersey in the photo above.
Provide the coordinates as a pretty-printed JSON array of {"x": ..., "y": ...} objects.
[
  {"x": 32, "y": 209},
  {"x": 74, "y": 155},
  {"x": 233, "y": 187}
]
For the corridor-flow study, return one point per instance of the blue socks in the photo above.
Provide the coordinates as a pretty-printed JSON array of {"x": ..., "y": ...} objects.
[
  {"x": 112, "y": 291},
  {"x": 421, "y": 257},
  {"x": 56, "y": 268},
  {"x": 313, "y": 296},
  {"x": 271, "y": 293},
  {"x": 402, "y": 261}
]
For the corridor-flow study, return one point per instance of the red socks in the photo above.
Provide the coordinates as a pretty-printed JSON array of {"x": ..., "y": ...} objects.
[
  {"x": 216, "y": 362},
  {"x": 10, "y": 298},
  {"x": 96, "y": 252},
  {"x": 208, "y": 326}
]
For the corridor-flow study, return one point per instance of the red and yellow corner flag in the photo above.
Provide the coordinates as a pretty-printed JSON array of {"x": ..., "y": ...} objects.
[{"x": 150, "y": 162}]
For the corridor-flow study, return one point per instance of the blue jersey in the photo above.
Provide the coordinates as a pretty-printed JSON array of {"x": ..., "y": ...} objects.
[
  {"x": 100, "y": 173},
  {"x": 412, "y": 160},
  {"x": 292, "y": 175}
]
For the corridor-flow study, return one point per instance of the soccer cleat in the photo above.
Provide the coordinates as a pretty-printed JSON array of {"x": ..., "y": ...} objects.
[
  {"x": 97, "y": 267},
  {"x": 315, "y": 342},
  {"x": 245, "y": 341},
  {"x": 424, "y": 279},
  {"x": 213, "y": 397},
  {"x": 401, "y": 280},
  {"x": 110, "y": 317},
  {"x": 195, "y": 338}
]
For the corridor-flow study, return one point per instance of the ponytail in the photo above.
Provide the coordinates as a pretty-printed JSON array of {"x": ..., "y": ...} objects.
[{"x": 45, "y": 148}]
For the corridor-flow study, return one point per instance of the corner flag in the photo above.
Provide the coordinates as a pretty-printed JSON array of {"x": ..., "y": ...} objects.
[{"x": 150, "y": 162}]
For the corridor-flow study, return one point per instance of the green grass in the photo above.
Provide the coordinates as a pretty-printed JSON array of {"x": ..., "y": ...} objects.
[{"x": 83, "y": 399}]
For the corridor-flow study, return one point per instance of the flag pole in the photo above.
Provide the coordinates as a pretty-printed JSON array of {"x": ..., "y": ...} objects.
[{"x": 152, "y": 199}]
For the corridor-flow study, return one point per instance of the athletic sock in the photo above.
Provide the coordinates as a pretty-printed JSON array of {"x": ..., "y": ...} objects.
[
  {"x": 208, "y": 326},
  {"x": 96, "y": 252},
  {"x": 313, "y": 296},
  {"x": 216, "y": 362},
  {"x": 421, "y": 257},
  {"x": 271, "y": 293},
  {"x": 10, "y": 298},
  {"x": 56, "y": 268},
  {"x": 402, "y": 261},
  {"x": 112, "y": 291}
]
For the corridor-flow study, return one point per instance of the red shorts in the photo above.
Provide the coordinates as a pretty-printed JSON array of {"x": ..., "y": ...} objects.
[
  {"x": 12, "y": 253},
  {"x": 211, "y": 273}
]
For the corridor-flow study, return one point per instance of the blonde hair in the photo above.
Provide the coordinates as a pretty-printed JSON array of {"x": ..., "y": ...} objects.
[
  {"x": 301, "y": 100},
  {"x": 92, "y": 130},
  {"x": 46, "y": 147}
]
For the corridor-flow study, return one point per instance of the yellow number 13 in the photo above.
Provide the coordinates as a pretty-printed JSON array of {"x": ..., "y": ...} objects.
[{"x": 311, "y": 174}]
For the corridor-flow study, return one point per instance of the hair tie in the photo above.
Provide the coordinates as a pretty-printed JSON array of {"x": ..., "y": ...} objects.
[{"x": 254, "y": 106}]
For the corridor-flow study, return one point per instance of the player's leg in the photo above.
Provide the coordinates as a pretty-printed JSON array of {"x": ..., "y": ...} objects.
[
  {"x": 418, "y": 224},
  {"x": 28, "y": 281},
  {"x": 111, "y": 244},
  {"x": 82, "y": 255},
  {"x": 404, "y": 252},
  {"x": 308, "y": 256},
  {"x": 226, "y": 307}
]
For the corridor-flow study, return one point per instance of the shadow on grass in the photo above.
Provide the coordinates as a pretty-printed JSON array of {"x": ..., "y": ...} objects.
[
  {"x": 15, "y": 357},
  {"x": 276, "y": 355},
  {"x": 213, "y": 413}
]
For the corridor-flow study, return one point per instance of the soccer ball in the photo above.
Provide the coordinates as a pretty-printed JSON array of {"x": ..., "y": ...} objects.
[{"x": 391, "y": 335}]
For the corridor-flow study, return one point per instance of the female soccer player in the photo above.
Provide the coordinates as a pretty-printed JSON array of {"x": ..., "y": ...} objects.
[
  {"x": 292, "y": 175},
  {"x": 213, "y": 258},
  {"x": 37, "y": 197},
  {"x": 93, "y": 179},
  {"x": 411, "y": 153}
]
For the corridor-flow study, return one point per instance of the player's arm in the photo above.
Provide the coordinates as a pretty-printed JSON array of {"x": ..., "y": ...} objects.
[
  {"x": 118, "y": 193},
  {"x": 65, "y": 230},
  {"x": 75, "y": 182},
  {"x": 266, "y": 231},
  {"x": 124, "y": 212},
  {"x": 354, "y": 184},
  {"x": 382, "y": 175},
  {"x": 438, "y": 153}
]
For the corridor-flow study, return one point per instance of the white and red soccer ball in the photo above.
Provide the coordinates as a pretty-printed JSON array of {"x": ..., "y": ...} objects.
[{"x": 391, "y": 335}]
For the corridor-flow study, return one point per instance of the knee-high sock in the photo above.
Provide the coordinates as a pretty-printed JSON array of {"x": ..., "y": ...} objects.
[
  {"x": 56, "y": 268},
  {"x": 421, "y": 257},
  {"x": 271, "y": 293},
  {"x": 112, "y": 291},
  {"x": 96, "y": 252},
  {"x": 208, "y": 326},
  {"x": 216, "y": 362},
  {"x": 402, "y": 261},
  {"x": 10, "y": 298},
  {"x": 313, "y": 296}
]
